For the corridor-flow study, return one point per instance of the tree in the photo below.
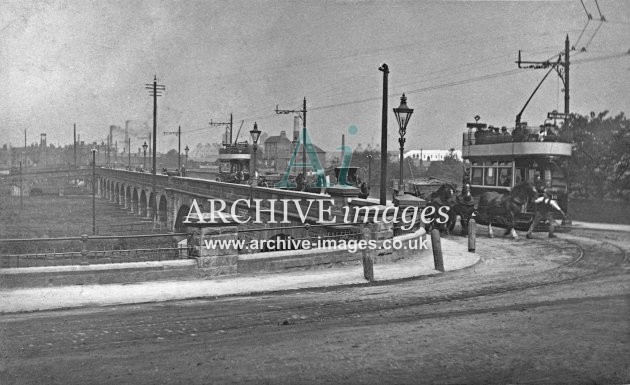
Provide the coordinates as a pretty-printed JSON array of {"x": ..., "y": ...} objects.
[{"x": 600, "y": 163}]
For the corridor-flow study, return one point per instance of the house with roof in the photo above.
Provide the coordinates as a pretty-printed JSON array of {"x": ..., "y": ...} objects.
[{"x": 278, "y": 151}]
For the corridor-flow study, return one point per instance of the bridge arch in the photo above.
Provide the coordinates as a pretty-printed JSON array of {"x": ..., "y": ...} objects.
[
  {"x": 134, "y": 201},
  {"x": 127, "y": 197},
  {"x": 142, "y": 209},
  {"x": 182, "y": 212},
  {"x": 117, "y": 193},
  {"x": 122, "y": 192},
  {"x": 152, "y": 206},
  {"x": 162, "y": 213},
  {"x": 101, "y": 187}
]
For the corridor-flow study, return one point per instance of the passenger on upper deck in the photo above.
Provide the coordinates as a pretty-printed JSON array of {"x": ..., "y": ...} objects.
[
  {"x": 518, "y": 134},
  {"x": 480, "y": 135}
]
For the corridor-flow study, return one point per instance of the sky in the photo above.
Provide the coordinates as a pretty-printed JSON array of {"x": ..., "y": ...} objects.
[{"x": 87, "y": 62}]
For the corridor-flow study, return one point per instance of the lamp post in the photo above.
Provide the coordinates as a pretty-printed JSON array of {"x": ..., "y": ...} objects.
[
  {"x": 144, "y": 161},
  {"x": 255, "y": 133},
  {"x": 403, "y": 114},
  {"x": 93, "y": 191},
  {"x": 186, "y": 149}
]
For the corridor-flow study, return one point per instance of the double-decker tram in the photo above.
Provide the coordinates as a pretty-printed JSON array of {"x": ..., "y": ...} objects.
[{"x": 497, "y": 159}]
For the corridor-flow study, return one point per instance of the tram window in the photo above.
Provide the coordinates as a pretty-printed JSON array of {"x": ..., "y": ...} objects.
[
  {"x": 505, "y": 177},
  {"x": 477, "y": 176},
  {"x": 490, "y": 178}
]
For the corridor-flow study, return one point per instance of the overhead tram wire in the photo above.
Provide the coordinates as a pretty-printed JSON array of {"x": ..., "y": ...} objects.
[
  {"x": 424, "y": 89},
  {"x": 433, "y": 87}
]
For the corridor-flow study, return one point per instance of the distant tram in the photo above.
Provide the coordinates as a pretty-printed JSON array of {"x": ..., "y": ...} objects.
[
  {"x": 498, "y": 159},
  {"x": 234, "y": 160}
]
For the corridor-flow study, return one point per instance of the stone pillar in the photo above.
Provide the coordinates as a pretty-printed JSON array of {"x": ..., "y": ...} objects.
[
  {"x": 213, "y": 261},
  {"x": 341, "y": 194},
  {"x": 381, "y": 231}
]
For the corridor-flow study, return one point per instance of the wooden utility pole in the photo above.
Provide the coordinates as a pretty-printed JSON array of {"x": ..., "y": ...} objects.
[
  {"x": 228, "y": 136},
  {"x": 129, "y": 152},
  {"x": 74, "y": 146},
  {"x": 179, "y": 145},
  {"x": 560, "y": 66},
  {"x": 155, "y": 90},
  {"x": 383, "y": 197},
  {"x": 303, "y": 115}
]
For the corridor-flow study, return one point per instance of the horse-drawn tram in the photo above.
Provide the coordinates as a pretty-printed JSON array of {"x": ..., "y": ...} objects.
[{"x": 498, "y": 160}]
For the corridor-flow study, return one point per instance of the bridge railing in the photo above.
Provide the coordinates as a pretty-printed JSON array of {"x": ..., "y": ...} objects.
[{"x": 92, "y": 250}]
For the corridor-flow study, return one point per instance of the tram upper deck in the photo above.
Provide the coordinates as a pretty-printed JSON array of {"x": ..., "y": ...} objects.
[
  {"x": 522, "y": 142},
  {"x": 497, "y": 159}
]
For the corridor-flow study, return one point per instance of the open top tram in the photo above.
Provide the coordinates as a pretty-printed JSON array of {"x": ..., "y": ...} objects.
[{"x": 498, "y": 159}]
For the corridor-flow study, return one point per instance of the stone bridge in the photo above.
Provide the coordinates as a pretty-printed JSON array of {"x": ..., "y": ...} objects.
[
  {"x": 47, "y": 181},
  {"x": 169, "y": 201}
]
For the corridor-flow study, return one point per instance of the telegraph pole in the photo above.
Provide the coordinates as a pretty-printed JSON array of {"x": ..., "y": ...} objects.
[
  {"x": 562, "y": 69},
  {"x": 75, "y": 145},
  {"x": 155, "y": 90},
  {"x": 179, "y": 146},
  {"x": 566, "y": 75},
  {"x": 228, "y": 124},
  {"x": 383, "y": 194},
  {"x": 303, "y": 116},
  {"x": 21, "y": 189},
  {"x": 129, "y": 152}
]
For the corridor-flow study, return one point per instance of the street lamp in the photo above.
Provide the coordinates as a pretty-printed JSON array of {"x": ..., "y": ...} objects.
[
  {"x": 94, "y": 191},
  {"x": 186, "y": 149},
  {"x": 144, "y": 161},
  {"x": 403, "y": 114},
  {"x": 255, "y": 133}
]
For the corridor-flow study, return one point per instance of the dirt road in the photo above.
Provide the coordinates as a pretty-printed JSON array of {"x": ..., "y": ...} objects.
[{"x": 536, "y": 311}]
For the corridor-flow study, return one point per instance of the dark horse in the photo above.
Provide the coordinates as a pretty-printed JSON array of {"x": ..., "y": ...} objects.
[
  {"x": 443, "y": 197},
  {"x": 464, "y": 207},
  {"x": 493, "y": 205}
]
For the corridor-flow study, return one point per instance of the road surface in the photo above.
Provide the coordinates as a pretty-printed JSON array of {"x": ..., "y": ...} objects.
[{"x": 534, "y": 312}]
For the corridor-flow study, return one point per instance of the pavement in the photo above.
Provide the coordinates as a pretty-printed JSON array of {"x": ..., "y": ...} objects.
[
  {"x": 601, "y": 226},
  {"x": 456, "y": 257}
]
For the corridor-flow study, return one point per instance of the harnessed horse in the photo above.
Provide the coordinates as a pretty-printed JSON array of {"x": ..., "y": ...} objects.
[
  {"x": 465, "y": 208},
  {"x": 443, "y": 197},
  {"x": 493, "y": 204}
]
